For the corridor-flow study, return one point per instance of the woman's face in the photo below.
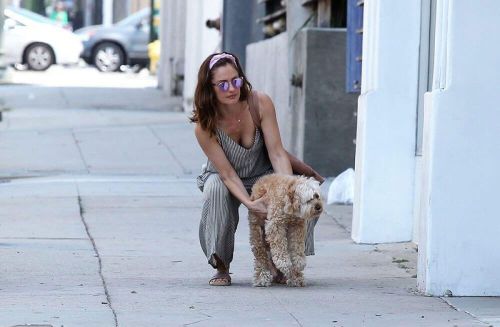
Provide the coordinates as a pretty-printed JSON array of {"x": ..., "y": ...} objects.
[{"x": 226, "y": 73}]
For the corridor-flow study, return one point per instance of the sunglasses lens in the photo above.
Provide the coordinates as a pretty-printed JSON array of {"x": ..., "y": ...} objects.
[
  {"x": 224, "y": 86},
  {"x": 238, "y": 82}
]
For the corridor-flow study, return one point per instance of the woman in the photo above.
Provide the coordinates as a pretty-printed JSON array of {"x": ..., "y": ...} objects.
[{"x": 239, "y": 151}]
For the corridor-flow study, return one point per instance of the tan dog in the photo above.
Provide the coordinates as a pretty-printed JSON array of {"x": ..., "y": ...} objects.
[{"x": 291, "y": 202}]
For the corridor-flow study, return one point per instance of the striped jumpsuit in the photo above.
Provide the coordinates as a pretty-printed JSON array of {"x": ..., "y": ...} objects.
[{"x": 219, "y": 217}]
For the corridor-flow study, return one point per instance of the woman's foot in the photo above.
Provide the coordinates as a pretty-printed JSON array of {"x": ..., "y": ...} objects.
[{"x": 221, "y": 278}]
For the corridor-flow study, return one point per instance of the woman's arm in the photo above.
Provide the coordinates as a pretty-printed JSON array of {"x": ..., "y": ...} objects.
[
  {"x": 216, "y": 155},
  {"x": 269, "y": 125},
  {"x": 301, "y": 168}
]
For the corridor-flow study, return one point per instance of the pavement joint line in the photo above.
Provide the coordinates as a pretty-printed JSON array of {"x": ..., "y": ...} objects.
[
  {"x": 465, "y": 311},
  {"x": 184, "y": 170},
  {"x": 94, "y": 245},
  {"x": 195, "y": 322},
  {"x": 96, "y": 178},
  {"x": 45, "y": 238},
  {"x": 344, "y": 228},
  {"x": 77, "y": 143},
  {"x": 64, "y": 97},
  {"x": 284, "y": 307}
]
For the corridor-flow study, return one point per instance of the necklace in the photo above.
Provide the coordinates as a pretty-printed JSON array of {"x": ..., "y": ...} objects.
[
  {"x": 239, "y": 117},
  {"x": 234, "y": 120}
]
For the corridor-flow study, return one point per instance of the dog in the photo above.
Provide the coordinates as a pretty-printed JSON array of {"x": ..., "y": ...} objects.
[{"x": 291, "y": 202}]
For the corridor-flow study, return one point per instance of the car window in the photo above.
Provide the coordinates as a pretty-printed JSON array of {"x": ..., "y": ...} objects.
[{"x": 136, "y": 18}]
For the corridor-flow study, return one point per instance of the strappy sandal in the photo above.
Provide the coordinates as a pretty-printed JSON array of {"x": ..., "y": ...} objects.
[{"x": 220, "y": 279}]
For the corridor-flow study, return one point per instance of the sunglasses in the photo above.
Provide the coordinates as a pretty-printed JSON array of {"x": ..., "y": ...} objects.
[{"x": 224, "y": 86}]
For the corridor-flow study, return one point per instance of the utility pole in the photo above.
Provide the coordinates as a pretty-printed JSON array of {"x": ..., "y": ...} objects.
[{"x": 4, "y": 69}]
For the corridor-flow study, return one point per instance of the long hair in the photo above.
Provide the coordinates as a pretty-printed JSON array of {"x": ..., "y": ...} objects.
[{"x": 205, "y": 101}]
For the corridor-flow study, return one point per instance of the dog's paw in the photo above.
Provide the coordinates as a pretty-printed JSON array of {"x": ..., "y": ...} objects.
[
  {"x": 261, "y": 283},
  {"x": 262, "y": 278},
  {"x": 300, "y": 263},
  {"x": 285, "y": 266}
]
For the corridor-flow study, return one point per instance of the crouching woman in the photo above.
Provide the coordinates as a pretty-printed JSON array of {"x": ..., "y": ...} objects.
[{"x": 238, "y": 132}]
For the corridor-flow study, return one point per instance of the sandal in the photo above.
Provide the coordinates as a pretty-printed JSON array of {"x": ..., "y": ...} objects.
[{"x": 220, "y": 279}]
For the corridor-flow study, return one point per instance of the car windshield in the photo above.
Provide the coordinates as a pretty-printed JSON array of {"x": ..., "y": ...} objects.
[
  {"x": 31, "y": 15},
  {"x": 134, "y": 18}
]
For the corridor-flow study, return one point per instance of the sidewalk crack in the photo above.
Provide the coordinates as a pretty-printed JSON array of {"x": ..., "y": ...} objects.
[
  {"x": 77, "y": 143},
  {"x": 94, "y": 245}
]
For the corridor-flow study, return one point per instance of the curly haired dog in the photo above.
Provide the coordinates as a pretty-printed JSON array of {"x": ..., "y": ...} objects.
[{"x": 291, "y": 202}]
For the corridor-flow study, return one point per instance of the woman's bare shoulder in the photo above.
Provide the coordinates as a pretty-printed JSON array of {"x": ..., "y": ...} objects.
[
  {"x": 265, "y": 103},
  {"x": 263, "y": 97},
  {"x": 201, "y": 133},
  {"x": 198, "y": 130}
]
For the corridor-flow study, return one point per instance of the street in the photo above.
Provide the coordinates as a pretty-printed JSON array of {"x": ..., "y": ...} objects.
[{"x": 99, "y": 216}]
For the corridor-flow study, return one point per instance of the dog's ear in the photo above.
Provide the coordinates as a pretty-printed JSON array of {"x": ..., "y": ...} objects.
[{"x": 293, "y": 203}]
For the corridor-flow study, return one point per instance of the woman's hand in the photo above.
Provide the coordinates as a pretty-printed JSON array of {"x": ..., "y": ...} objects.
[
  {"x": 259, "y": 208},
  {"x": 319, "y": 178}
]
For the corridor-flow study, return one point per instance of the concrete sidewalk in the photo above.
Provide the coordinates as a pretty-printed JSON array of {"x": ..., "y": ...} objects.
[{"x": 99, "y": 227}]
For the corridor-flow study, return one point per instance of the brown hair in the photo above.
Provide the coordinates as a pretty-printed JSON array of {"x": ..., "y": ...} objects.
[{"x": 205, "y": 101}]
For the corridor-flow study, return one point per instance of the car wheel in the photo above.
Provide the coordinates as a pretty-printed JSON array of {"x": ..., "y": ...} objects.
[
  {"x": 108, "y": 57},
  {"x": 39, "y": 57}
]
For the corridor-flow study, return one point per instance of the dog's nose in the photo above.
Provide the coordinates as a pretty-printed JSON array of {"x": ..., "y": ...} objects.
[{"x": 318, "y": 207}]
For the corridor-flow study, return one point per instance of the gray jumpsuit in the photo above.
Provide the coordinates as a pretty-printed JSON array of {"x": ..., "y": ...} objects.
[{"x": 219, "y": 217}]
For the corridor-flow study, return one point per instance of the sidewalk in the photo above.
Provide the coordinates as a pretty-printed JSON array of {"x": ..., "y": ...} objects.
[{"x": 99, "y": 227}]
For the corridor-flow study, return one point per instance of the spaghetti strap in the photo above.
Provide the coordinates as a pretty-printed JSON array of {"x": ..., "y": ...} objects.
[{"x": 253, "y": 106}]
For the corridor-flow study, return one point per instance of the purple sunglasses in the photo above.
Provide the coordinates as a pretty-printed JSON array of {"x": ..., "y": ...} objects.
[{"x": 224, "y": 85}]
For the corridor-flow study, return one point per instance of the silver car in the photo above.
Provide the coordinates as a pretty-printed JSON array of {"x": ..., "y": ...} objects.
[
  {"x": 37, "y": 42},
  {"x": 124, "y": 43}
]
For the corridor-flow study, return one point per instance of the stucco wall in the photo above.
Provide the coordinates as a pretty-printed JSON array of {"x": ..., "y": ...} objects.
[
  {"x": 200, "y": 42},
  {"x": 387, "y": 122},
  {"x": 458, "y": 248},
  {"x": 267, "y": 71}
]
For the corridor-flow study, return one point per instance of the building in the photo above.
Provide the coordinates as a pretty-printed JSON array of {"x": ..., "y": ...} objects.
[
  {"x": 427, "y": 145},
  {"x": 425, "y": 123},
  {"x": 305, "y": 76}
]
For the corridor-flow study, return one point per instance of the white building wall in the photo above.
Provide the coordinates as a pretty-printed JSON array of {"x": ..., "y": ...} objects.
[
  {"x": 200, "y": 42},
  {"x": 459, "y": 248},
  {"x": 270, "y": 75},
  {"x": 385, "y": 142},
  {"x": 173, "y": 40}
]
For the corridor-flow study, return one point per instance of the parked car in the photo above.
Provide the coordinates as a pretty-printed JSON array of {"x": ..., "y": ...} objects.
[
  {"x": 36, "y": 41},
  {"x": 124, "y": 43}
]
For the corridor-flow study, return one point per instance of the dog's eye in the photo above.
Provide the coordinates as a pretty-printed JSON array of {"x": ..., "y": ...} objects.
[{"x": 316, "y": 195}]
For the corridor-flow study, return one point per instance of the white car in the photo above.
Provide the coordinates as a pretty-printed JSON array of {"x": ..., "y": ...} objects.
[{"x": 36, "y": 41}]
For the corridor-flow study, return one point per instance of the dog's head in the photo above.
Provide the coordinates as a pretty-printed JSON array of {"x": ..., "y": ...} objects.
[{"x": 305, "y": 198}]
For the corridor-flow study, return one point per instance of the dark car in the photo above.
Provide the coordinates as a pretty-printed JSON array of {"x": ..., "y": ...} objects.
[{"x": 124, "y": 43}]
